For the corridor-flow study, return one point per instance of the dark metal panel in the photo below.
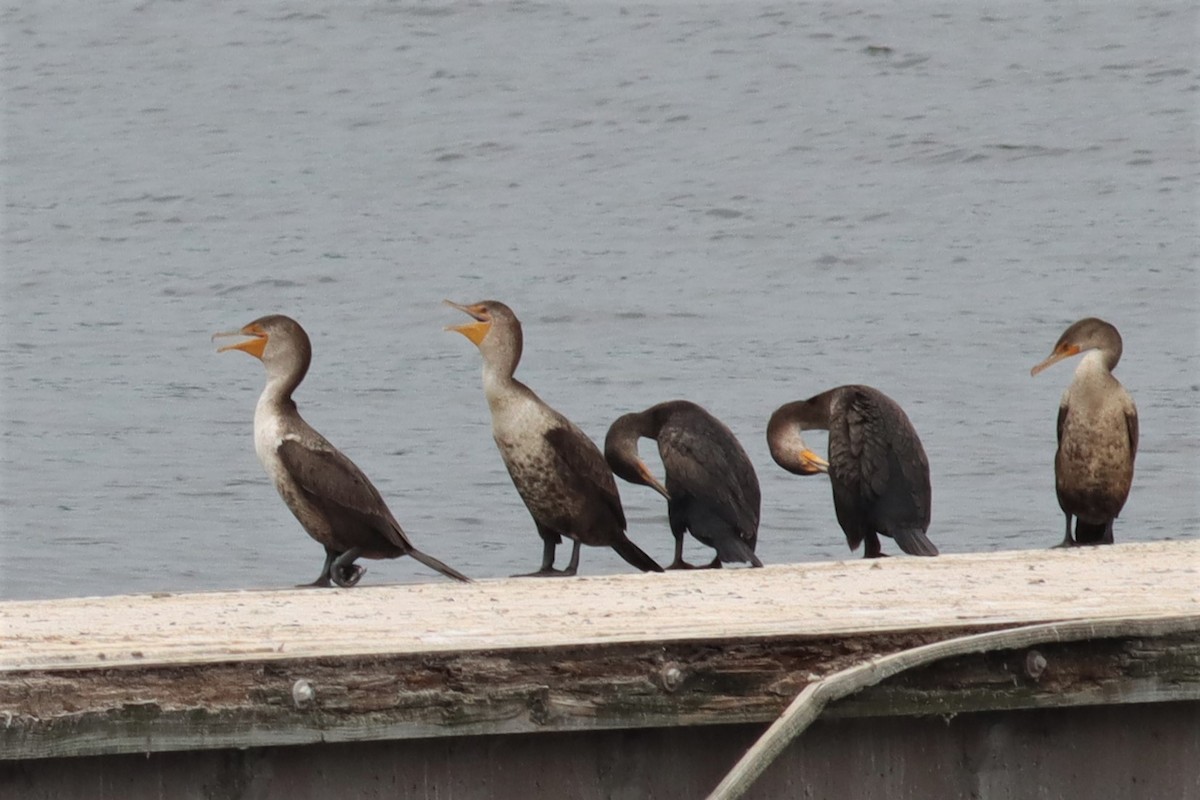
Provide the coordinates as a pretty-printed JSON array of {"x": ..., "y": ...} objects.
[{"x": 1126, "y": 752}]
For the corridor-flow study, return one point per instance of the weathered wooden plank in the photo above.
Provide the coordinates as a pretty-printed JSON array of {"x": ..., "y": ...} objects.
[
  {"x": 843, "y": 597},
  {"x": 84, "y": 712},
  {"x": 134, "y": 674}
]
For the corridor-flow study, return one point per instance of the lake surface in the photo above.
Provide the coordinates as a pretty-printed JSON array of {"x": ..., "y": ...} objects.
[{"x": 740, "y": 204}]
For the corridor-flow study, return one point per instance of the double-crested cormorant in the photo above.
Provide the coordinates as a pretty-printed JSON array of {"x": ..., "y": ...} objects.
[
  {"x": 558, "y": 471},
  {"x": 1097, "y": 433},
  {"x": 330, "y": 496},
  {"x": 711, "y": 486},
  {"x": 877, "y": 466}
]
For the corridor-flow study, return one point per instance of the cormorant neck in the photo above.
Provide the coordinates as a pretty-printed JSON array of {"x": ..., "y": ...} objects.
[
  {"x": 784, "y": 429},
  {"x": 644, "y": 423},
  {"x": 501, "y": 351},
  {"x": 1097, "y": 363},
  {"x": 497, "y": 377},
  {"x": 804, "y": 415},
  {"x": 283, "y": 377},
  {"x": 277, "y": 394},
  {"x": 1111, "y": 353},
  {"x": 621, "y": 445},
  {"x": 783, "y": 435}
]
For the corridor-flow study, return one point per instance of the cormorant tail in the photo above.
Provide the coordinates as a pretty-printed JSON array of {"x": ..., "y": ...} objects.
[
  {"x": 434, "y": 564},
  {"x": 636, "y": 556},
  {"x": 914, "y": 542},
  {"x": 735, "y": 548}
]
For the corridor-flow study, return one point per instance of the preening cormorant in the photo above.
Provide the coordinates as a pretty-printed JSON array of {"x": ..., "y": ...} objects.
[
  {"x": 711, "y": 487},
  {"x": 877, "y": 466}
]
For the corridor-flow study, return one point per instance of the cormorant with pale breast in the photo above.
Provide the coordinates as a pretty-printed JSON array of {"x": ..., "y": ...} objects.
[
  {"x": 330, "y": 496},
  {"x": 711, "y": 488},
  {"x": 1097, "y": 433},
  {"x": 877, "y": 466},
  {"x": 558, "y": 471}
]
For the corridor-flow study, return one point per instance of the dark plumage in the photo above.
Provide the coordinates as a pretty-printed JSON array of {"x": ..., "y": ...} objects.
[
  {"x": 877, "y": 466},
  {"x": 711, "y": 488},
  {"x": 330, "y": 496},
  {"x": 558, "y": 471},
  {"x": 1097, "y": 433}
]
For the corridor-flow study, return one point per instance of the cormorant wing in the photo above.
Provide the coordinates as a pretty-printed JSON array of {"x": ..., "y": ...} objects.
[
  {"x": 1062, "y": 418},
  {"x": 866, "y": 438},
  {"x": 334, "y": 484},
  {"x": 908, "y": 456},
  {"x": 1131, "y": 424},
  {"x": 893, "y": 470},
  {"x": 704, "y": 468},
  {"x": 586, "y": 472}
]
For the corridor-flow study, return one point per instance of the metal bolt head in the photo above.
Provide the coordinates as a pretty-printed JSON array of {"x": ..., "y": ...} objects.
[
  {"x": 1035, "y": 664},
  {"x": 672, "y": 676},
  {"x": 303, "y": 694}
]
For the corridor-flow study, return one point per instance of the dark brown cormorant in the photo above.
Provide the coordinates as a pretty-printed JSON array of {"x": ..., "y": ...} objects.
[
  {"x": 558, "y": 471},
  {"x": 329, "y": 495},
  {"x": 711, "y": 486},
  {"x": 877, "y": 466},
  {"x": 1097, "y": 433}
]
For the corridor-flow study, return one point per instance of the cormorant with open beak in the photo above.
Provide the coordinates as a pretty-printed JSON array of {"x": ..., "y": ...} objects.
[
  {"x": 330, "y": 496},
  {"x": 558, "y": 471}
]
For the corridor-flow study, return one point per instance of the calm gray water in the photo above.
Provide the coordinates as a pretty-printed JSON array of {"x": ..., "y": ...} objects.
[{"x": 737, "y": 203}]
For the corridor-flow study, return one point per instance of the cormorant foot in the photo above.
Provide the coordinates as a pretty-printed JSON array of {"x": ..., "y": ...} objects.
[
  {"x": 547, "y": 572},
  {"x": 322, "y": 582},
  {"x": 349, "y": 575},
  {"x": 679, "y": 563}
]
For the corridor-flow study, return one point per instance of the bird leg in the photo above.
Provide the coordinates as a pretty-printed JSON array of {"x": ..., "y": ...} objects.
[
  {"x": 871, "y": 546},
  {"x": 573, "y": 564},
  {"x": 679, "y": 563},
  {"x": 1069, "y": 541},
  {"x": 344, "y": 572},
  {"x": 322, "y": 580},
  {"x": 547, "y": 569},
  {"x": 676, "y": 517}
]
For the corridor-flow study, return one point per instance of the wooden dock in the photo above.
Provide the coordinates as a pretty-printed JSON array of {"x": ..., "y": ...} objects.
[{"x": 694, "y": 660}]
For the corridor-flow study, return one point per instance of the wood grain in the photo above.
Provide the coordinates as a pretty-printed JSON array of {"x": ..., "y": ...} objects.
[{"x": 218, "y": 670}]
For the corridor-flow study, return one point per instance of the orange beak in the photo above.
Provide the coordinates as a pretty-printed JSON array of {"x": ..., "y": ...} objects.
[
  {"x": 254, "y": 346},
  {"x": 1066, "y": 351},
  {"x": 651, "y": 481},
  {"x": 475, "y": 331},
  {"x": 811, "y": 463}
]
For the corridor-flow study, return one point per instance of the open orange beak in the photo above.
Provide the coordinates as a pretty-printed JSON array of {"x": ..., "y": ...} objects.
[
  {"x": 254, "y": 345},
  {"x": 475, "y": 331},
  {"x": 1066, "y": 351}
]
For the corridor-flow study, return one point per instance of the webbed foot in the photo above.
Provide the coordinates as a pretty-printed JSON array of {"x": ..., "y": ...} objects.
[
  {"x": 547, "y": 572},
  {"x": 344, "y": 571},
  {"x": 348, "y": 575}
]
